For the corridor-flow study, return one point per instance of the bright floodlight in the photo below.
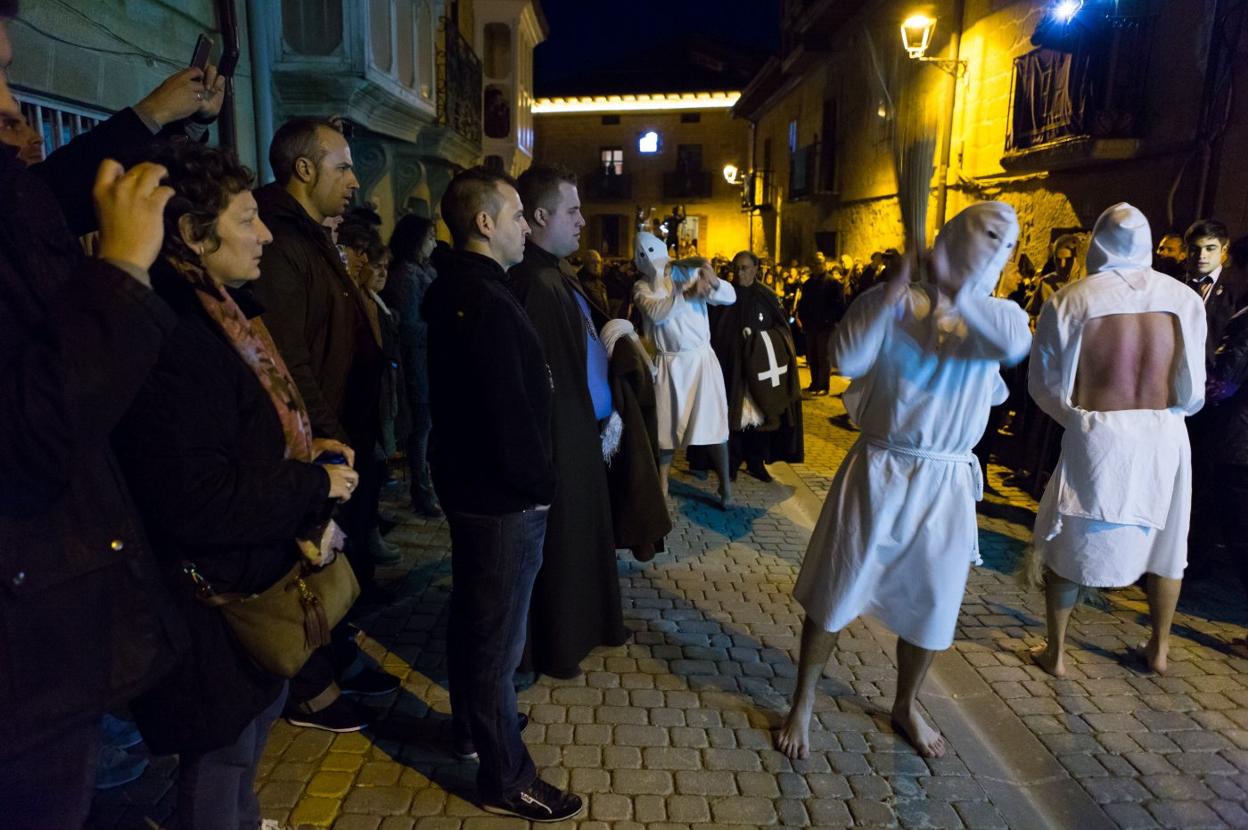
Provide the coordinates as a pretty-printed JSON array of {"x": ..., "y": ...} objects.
[
  {"x": 1066, "y": 10},
  {"x": 730, "y": 173},
  {"x": 916, "y": 34},
  {"x": 648, "y": 143}
]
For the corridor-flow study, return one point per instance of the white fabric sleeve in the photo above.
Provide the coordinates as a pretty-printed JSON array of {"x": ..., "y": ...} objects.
[
  {"x": 656, "y": 305},
  {"x": 724, "y": 294},
  {"x": 858, "y": 337},
  {"x": 1190, "y": 384},
  {"x": 1046, "y": 378},
  {"x": 999, "y": 328}
]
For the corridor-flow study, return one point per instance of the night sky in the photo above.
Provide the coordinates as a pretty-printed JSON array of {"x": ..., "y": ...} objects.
[{"x": 597, "y": 44}]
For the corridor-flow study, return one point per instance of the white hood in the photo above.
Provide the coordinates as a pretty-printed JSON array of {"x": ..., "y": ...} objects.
[
  {"x": 650, "y": 255},
  {"x": 978, "y": 242},
  {"x": 1122, "y": 242}
]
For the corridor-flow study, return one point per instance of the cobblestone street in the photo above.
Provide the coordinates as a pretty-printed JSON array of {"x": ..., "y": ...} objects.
[{"x": 673, "y": 730}]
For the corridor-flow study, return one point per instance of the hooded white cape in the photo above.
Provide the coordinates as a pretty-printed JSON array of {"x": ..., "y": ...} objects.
[
  {"x": 1119, "y": 502},
  {"x": 897, "y": 534}
]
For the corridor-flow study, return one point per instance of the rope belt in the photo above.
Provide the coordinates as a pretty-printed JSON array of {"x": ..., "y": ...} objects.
[{"x": 933, "y": 455}]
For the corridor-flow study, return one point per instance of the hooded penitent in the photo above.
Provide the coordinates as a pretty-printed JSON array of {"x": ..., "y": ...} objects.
[
  {"x": 1122, "y": 242},
  {"x": 978, "y": 242},
  {"x": 650, "y": 256}
]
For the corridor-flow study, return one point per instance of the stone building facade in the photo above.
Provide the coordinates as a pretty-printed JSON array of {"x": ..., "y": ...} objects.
[
  {"x": 1141, "y": 116},
  {"x": 638, "y": 157}
]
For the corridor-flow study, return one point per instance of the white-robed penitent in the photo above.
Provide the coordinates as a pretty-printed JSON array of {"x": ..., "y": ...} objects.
[
  {"x": 1119, "y": 503},
  {"x": 691, "y": 403},
  {"x": 897, "y": 535}
]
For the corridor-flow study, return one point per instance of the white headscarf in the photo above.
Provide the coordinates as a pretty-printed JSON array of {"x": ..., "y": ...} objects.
[
  {"x": 1122, "y": 242},
  {"x": 978, "y": 242}
]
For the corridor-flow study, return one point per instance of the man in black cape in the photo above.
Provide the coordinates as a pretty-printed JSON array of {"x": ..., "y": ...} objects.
[
  {"x": 754, "y": 345},
  {"x": 576, "y": 601}
]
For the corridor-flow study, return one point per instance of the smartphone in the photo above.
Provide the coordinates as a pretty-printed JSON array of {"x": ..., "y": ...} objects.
[
  {"x": 330, "y": 457},
  {"x": 203, "y": 49}
]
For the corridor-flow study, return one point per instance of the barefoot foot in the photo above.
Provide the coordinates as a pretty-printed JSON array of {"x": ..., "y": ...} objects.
[
  {"x": 919, "y": 734},
  {"x": 793, "y": 737},
  {"x": 1153, "y": 656},
  {"x": 1054, "y": 664}
]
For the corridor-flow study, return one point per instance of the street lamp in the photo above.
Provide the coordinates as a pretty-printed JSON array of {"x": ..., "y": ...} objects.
[
  {"x": 730, "y": 173},
  {"x": 916, "y": 36}
]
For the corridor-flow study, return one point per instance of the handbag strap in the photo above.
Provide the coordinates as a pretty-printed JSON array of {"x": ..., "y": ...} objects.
[{"x": 204, "y": 592}]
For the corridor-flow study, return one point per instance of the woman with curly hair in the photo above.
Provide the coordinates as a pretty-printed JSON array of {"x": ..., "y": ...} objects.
[{"x": 218, "y": 451}]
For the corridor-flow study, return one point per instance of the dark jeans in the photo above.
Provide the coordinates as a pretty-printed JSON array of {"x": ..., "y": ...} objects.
[
  {"x": 418, "y": 455},
  {"x": 51, "y": 784},
  {"x": 494, "y": 562},
  {"x": 817, "y": 344},
  {"x": 216, "y": 790}
]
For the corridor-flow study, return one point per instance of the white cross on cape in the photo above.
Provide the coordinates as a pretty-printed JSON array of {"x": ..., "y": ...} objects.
[{"x": 774, "y": 369}]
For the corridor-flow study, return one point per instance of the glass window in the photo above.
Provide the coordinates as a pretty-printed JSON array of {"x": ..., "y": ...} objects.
[
  {"x": 648, "y": 143},
  {"x": 497, "y": 50},
  {"x": 405, "y": 34},
  {"x": 379, "y": 28},
  {"x": 312, "y": 27},
  {"x": 426, "y": 48},
  {"x": 793, "y": 136},
  {"x": 613, "y": 160}
]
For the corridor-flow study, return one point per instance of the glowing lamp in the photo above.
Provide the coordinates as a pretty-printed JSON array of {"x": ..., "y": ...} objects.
[
  {"x": 648, "y": 143},
  {"x": 730, "y": 173},
  {"x": 1065, "y": 10},
  {"x": 916, "y": 34}
]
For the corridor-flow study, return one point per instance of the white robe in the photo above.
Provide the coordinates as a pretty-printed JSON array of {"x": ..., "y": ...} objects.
[
  {"x": 897, "y": 534},
  {"x": 689, "y": 387},
  {"x": 1119, "y": 503}
]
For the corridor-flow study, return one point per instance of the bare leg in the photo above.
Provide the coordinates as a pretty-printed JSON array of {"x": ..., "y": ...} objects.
[
  {"x": 665, "y": 468},
  {"x": 1060, "y": 596},
  {"x": 793, "y": 739},
  {"x": 912, "y": 665},
  {"x": 1163, "y": 598},
  {"x": 719, "y": 457}
]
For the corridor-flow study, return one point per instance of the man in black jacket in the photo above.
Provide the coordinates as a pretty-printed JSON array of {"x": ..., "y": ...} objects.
[
  {"x": 490, "y": 454},
  {"x": 316, "y": 315},
  {"x": 83, "y": 622}
]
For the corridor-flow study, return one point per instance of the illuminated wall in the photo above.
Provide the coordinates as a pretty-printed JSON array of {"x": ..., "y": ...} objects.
[
  {"x": 566, "y": 135},
  {"x": 855, "y": 211}
]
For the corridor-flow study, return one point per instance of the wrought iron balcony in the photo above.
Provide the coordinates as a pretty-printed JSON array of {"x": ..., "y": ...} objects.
[
  {"x": 459, "y": 86},
  {"x": 600, "y": 186}
]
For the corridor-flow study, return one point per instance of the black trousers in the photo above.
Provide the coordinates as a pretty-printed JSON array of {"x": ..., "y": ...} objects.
[
  {"x": 818, "y": 342},
  {"x": 748, "y": 445},
  {"x": 1233, "y": 503}
]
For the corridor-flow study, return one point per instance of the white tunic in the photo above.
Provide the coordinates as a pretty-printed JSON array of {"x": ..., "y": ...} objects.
[
  {"x": 897, "y": 534},
  {"x": 1119, "y": 502},
  {"x": 689, "y": 388}
]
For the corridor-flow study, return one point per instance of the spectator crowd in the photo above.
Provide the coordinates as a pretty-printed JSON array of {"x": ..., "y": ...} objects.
[{"x": 201, "y": 416}]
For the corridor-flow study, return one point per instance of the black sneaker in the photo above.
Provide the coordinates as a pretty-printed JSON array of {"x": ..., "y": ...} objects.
[
  {"x": 340, "y": 716},
  {"x": 369, "y": 682},
  {"x": 464, "y": 748},
  {"x": 541, "y": 803}
]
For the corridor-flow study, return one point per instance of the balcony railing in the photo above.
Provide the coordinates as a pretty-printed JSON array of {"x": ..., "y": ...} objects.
[
  {"x": 687, "y": 184},
  {"x": 602, "y": 187},
  {"x": 459, "y": 86},
  {"x": 1096, "y": 91}
]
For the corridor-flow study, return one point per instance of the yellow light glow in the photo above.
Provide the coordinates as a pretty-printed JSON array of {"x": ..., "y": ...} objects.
[
  {"x": 916, "y": 34},
  {"x": 730, "y": 173},
  {"x": 636, "y": 103}
]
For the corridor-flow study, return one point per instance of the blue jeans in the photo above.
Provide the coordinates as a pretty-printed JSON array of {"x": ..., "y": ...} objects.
[
  {"x": 494, "y": 562},
  {"x": 216, "y": 790}
]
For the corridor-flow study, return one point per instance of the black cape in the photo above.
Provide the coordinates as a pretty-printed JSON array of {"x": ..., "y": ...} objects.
[
  {"x": 638, "y": 509},
  {"x": 757, "y": 310},
  {"x": 576, "y": 600}
]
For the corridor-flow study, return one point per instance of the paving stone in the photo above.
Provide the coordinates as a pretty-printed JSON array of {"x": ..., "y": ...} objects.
[
  {"x": 704, "y": 782},
  {"x": 688, "y": 808},
  {"x": 1189, "y": 815},
  {"x": 742, "y": 810},
  {"x": 385, "y": 801},
  {"x": 642, "y": 782}
]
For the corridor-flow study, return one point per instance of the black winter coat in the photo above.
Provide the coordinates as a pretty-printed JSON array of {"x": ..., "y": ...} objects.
[
  {"x": 316, "y": 316},
  {"x": 203, "y": 452},
  {"x": 84, "y": 621},
  {"x": 489, "y": 392}
]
